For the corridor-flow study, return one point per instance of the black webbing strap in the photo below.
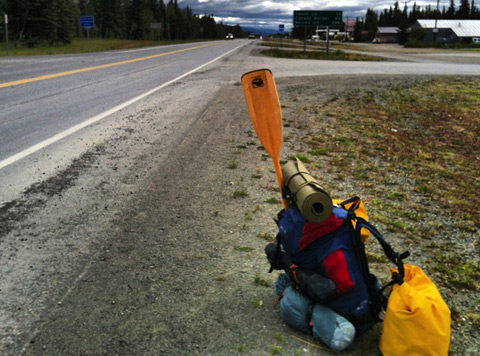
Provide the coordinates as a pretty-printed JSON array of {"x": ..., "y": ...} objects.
[
  {"x": 392, "y": 255},
  {"x": 290, "y": 196},
  {"x": 277, "y": 254},
  {"x": 353, "y": 207},
  {"x": 379, "y": 300}
]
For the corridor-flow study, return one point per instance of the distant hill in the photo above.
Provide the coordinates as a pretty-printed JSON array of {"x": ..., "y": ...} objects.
[{"x": 260, "y": 30}]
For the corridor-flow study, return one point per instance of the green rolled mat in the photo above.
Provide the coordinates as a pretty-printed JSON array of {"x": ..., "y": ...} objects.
[{"x": 313, "y": 202}]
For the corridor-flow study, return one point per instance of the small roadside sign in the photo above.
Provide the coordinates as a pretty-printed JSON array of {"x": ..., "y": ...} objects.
[
  {"x": 311, "y": 18},
  {"x": 6, "y": 31},
  {"x": 155, "y": 25},
  {"x": 281, "y": 27},
  {"x": 86, "y": 22}
]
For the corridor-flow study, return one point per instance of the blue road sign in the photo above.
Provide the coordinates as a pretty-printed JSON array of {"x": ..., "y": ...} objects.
[
  {"x": 281, "y": 28},
  {"x": 86, "y": 22}
]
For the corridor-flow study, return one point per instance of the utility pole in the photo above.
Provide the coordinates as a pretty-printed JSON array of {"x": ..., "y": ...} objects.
[{"x": 435, "y": 30}]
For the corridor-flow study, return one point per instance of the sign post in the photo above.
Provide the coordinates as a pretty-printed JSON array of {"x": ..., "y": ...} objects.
[
  {"x": 87, "y": 22},
  {"x": 281, "y": 28},
  {"x": 156, "y": 26},
  {"x": 6, "y": 31},
  {"x": 313, "y": 18}
]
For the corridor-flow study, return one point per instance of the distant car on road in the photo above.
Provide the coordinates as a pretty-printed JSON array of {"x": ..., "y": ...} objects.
[
  {"x": 251, "y": 36},
  {"x": 229, "y": 36}
]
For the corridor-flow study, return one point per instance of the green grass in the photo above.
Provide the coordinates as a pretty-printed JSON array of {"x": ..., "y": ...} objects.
[
  {"x": 319, "y": 55},
  {"x": 404, "y": 128},
  {"x": 267, "y": 236},
  {"x": 272, "y": 201},
  {"x": 275, "y": 350},
  {"x": 457, "y": 272},
  {"x": 279, "y": 337},
  {"x": 240, "y": 193},
  {"x": 243, "y": 248},
  {"x": 320, "y": 151},
  {"x": 232, "y": 165},
  {"x": 302, "y": 157},
  {"x": 83, "y": 46}
]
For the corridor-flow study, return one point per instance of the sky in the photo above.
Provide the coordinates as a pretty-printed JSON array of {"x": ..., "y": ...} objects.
[{"x": 269, "y": 14}]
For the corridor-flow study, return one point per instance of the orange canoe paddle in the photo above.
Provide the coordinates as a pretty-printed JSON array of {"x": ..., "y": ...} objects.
[{"x": 265, "y": 114}]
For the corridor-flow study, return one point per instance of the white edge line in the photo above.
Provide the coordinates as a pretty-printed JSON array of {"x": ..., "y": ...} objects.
[{"x": 20, "y": 155}]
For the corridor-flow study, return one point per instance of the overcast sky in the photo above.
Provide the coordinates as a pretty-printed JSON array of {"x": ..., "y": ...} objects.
[{"x": 270, "y": 14}]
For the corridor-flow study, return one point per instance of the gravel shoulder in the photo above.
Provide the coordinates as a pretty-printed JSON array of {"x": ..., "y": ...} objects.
[{"x": 179, "y": 268}]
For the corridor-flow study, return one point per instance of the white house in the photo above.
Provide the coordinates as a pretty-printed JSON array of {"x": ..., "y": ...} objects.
[{"x": 450, "y": 30}]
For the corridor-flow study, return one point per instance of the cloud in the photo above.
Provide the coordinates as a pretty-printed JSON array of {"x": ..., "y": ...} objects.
[{"x": 271, "y": 13}]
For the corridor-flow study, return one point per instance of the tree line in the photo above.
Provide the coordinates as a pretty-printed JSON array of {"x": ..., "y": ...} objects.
[
  {"x": 404, "y": 18},
  {"x": 53, "y": 22}
]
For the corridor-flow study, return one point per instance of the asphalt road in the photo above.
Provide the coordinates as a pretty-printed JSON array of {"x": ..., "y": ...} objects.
[
  {"x": 64, "y": 203},
  {"x": 41, "y": 106}
]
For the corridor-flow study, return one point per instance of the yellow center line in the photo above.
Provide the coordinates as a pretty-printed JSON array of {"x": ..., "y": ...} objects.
[{"x": 88, "y": 69}]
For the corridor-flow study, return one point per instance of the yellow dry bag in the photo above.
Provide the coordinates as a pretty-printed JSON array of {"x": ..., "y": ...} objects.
[{"x": 417, "y": 320}]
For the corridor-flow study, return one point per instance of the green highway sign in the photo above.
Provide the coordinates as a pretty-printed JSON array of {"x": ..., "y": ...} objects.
[{"x": 311, "y": 18}]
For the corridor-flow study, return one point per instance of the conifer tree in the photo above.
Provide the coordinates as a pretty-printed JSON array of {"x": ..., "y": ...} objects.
[
  {"x": 451, "y": 10},
  {"x": 464, "y": 10}
]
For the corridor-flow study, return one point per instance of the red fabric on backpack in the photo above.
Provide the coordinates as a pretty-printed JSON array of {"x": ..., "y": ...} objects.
[
  {"x": 337, "y": 271},
  {"x": 312, "y": 231}
]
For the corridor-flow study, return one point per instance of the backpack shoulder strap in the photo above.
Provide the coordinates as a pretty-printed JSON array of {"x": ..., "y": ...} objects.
[
  {"x": 378, "y": 300},
  {"x": 391, "y": 254}
]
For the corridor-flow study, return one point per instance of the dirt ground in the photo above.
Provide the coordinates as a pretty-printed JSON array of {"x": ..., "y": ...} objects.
[{"x": 185, "y": 272}]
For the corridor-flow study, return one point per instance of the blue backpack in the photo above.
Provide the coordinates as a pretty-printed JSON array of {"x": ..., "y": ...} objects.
[{"x": 327, "y": 262}]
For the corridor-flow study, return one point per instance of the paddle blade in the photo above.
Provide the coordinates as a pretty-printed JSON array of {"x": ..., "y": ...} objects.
[{"x": 264, "y": 109}]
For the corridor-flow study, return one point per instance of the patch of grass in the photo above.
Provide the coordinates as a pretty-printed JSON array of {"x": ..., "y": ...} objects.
[
  {"x": 425, "y": 188},
  {"x": 279, "y": 337},
  {"x": 302, "y": 157},
  {"x": 261, "y": 281},
  {"x": 344, "y": 140},
  {"x": 333, "y": 55},
  {"x": 267, "y": 236},
  {"x": 220, "y": 278},
  {"x": 85, "y": 46},
  {"x": 257, "y": 208},
  {"x": 396, "y": 195},
  {"x": 405, "y": 128},
  {"x": 321, "y": 151},
  {"x": 256, "y": 303},
  {"x": 275, "y": 350},
  {"x": 360, "y": 173},
  {"x": 240, "y": 193},
  {"x": 272, "y": 201},
  {"x": 243, "y": 248},
  {"x": 376, "y": 257},
  {"x": 457, "y": 272},
  {"x": 232, "y": 164}
]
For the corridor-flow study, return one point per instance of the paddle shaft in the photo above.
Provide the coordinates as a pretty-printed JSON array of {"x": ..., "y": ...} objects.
[{"x": 265, "y": 114}]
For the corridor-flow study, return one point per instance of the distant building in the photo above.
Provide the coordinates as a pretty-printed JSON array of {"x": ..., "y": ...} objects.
[
  {"x": 387, "y": 34},
  {"x": 449, "y": 31}
]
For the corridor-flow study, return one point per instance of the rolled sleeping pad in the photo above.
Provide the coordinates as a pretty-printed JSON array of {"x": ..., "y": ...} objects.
[{"x": 311, "y": 199}]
